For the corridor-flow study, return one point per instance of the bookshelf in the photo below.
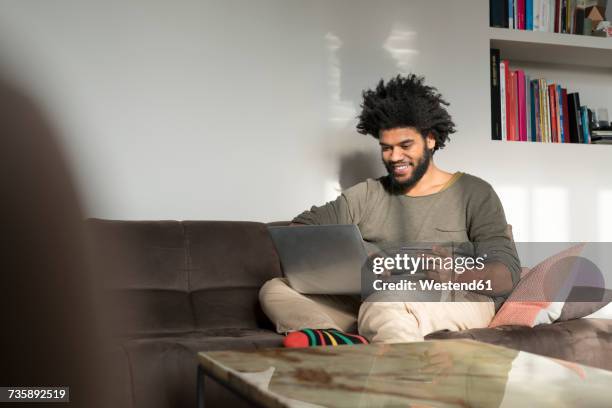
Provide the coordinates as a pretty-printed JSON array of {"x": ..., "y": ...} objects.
[
  {"x": 552, "y": 48},
  {"x": 580, "y": 63}
]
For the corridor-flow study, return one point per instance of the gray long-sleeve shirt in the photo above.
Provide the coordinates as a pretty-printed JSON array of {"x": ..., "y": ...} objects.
[{"x": 466, "y": 211}]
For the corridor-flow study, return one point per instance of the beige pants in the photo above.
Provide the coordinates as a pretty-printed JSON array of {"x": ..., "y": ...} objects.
[{"x": 379, "y": 322}]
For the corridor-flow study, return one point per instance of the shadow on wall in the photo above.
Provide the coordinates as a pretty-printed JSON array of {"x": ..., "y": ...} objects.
[
  {"x": 358, "y": 166},
  {"x": 359, "y": 55}
]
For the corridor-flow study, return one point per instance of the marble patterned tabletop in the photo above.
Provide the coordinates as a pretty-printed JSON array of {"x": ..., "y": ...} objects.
[{"x": 443, "y": 373}]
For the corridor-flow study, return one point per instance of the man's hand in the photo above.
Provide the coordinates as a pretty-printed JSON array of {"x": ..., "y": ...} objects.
[{"x": 437, "y": 258}]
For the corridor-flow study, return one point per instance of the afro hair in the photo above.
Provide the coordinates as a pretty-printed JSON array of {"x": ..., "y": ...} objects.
[{"x": 405, "y": 102}]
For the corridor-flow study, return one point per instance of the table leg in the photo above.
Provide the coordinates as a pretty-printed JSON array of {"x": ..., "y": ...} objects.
[{"x": 200, "y": 387}]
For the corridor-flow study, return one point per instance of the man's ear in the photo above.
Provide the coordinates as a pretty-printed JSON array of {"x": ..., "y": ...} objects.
[{"x": 431, "y": 141}]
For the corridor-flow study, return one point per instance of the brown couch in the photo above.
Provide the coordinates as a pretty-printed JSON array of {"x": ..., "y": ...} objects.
[{"x": 184, "y": 287}]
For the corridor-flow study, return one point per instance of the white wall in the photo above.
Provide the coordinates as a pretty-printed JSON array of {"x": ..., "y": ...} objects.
[{"x": 242, "y": 109}]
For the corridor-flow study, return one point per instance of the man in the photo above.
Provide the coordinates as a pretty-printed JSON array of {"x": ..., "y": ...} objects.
[{"x": 415, "y": 202}]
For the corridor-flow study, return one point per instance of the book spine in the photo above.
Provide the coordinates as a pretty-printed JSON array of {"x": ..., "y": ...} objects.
[
  {"x": 527, "y": 86},
  {"x": 579, "y": 26},
  {"x": 502, "y": 98},
  {"x": 536, "y": 15},
  {"x": 520, "y": 10},
  {"x": 529, "y": 15},
  {"x": 590, "y": 123},
  {"x": 559, "y": 113},
  {"x": 495, "y": 103},
  {"x": 542, "y": 90},
  {"x": 546, "y": 105},
  {"x": 553, "y": 113},
  {"x": 563, "y": 16},
  {"x": 578, "y": 117},
  {"x": 532, "y": 111},
  {"x": 511, "y": 14},
  {"x": 566, "y": 131},
  {"x": 571, "y": 15},
  {"x": 497, "y": 14},
  {"x": 509, "y": 119},
  {"x": 557, "y": 15},
  {"x": 516, "y": 16},
  {"x": 573, "y": 122},
  {"x": 535, "y": 110},
  {"x": 520, "y": 87},
  {"x": 585, "y": 124},
  {"x": 513, "y": 118},
  {"x": 551, "y": 15}
]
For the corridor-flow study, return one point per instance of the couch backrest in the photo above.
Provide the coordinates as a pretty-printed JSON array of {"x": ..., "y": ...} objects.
[{"x": 177, "y": 277}]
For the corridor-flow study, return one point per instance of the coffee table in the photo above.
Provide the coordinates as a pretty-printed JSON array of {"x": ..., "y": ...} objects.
[{"x": 442, "y": 373}]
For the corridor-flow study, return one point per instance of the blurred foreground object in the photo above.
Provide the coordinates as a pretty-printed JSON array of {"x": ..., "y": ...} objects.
[{"x": 50, "y": 328}]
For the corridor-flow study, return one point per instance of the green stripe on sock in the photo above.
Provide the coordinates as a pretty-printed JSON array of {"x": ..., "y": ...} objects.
[
  {"x": 340, "y": 339},
  {"x": 345, "y": 339},
  {"x": 354, "y": 338},
  {"x": 313, "y": 339}
]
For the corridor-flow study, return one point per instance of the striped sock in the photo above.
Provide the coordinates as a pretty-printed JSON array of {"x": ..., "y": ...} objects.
[{"x": 321, "y": 337}]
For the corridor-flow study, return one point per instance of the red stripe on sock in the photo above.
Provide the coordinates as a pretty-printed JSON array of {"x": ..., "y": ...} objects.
[
  {"x": 363, "y": 340},
  {"x": 351, "y": 335},
  {"x": 320, "y": 337}
]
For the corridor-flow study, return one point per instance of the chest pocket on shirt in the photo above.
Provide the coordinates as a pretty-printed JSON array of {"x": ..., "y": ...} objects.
[{"x": 447, "y": 234}]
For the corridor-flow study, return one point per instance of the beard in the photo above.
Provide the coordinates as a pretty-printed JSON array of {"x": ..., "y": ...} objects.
[{"x": 400, "y": 187}]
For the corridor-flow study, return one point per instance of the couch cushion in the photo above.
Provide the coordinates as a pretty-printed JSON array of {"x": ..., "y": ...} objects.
[
  {"x": 532, "y": 301},
  {"x": 228, "y": 263},
  {"x": 176, "y": 277},
  {"x": 164, "y": 368},
  {"x": 584, "y": 341}
]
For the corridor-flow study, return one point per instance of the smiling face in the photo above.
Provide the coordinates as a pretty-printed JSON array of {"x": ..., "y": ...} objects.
[{"x": 406, "y": 155}]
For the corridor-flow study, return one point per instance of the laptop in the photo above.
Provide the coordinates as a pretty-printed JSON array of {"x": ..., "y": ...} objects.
[{"x": 321, "y": 259}]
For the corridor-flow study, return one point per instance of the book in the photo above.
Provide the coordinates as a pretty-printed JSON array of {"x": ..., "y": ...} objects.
[
  {"x": 557, "y": 16},
  {"x": 566, "y": 136},
  {"x": 601, "y": 137},
  {"x": 536, "y": 15},
  {"x": 520, "y": 14},
  {"x": 559, "y": 114},
  {"x": 509, "y": 118},
  {"x": 510, "y": 14},
  {"x": 541, "y": 15},
  {"x": 562, "y": 17},
  {"x": 502, "y": 98},
  {"x": 579, "y": 123},
  {"x": 574, "y": 122},
  {"x": 584, "y": 116},
  {"x": 553, "y": 113},
  {"x": 546, "y": 112},
  {"x": 551, "y": 13},
  {"x": 529, "y": 15},
  {"x": 535, "y": 110},
  {"x": 599, "y": 134},
  {"x": 521, "y": 109},
  {"x": 579, "y": 17},
  {"x": 496, "y": 133},
  {"x": 512, "y": 107},
  {"x": 570, "y": 19},
  {"x": 498, "y": 13},
  {"x": 528, "y": 107}
]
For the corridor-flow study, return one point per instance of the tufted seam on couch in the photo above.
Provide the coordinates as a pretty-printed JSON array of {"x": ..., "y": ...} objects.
[
  {"x": 130, "y": 374},
  {"x": 189, "y": 270}
]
